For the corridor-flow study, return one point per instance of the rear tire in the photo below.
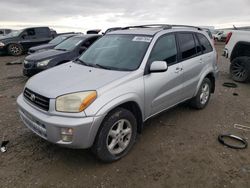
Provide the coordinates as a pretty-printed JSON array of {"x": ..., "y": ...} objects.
[
  {"x": 201, "y": 99},
  {"x": 240, "y": 69},
  {"x": 116, "y": 136},
  {"x": 15, "y": 49}
]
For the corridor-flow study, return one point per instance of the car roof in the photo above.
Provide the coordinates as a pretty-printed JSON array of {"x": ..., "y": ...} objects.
[
  {"x": 86, "y": 36},
  {"x": 148, "y": 30}
]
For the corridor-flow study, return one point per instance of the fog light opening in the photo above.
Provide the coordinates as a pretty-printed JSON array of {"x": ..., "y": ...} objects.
[{"x": 67, "y": 134}]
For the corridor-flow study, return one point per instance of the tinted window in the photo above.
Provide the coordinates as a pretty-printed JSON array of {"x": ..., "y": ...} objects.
[
  {"x": 42, "y": 32},
  {"x": 165, "y": 50},
  {"x": 187, "y": 45},
  {"x": 31, "y": 32},
  {"x": 198, "y": 47},
  {"x": 205, "y": 44}
]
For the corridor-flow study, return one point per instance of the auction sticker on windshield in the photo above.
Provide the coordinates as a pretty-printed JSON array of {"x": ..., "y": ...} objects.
[{"x": 142, "y": 39}]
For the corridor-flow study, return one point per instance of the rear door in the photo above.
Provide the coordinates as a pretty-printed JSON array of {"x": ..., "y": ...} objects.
[
  {"x": 190, "y": 56},
  {"x": 163, "y": 89}
]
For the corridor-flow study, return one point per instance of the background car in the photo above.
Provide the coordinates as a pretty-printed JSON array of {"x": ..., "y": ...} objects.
[
  {"x": 66, "y": 51},
  {"x": 51, "y": 44},
  {"x": 4, "y": 32},
  {"x": 18, "y": 42}
]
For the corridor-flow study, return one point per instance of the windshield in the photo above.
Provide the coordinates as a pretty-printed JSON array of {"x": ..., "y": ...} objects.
[
  {"x": 14, "y": 33},
  {"x": 58, "y": 40},
  {"x": 69, "y": 44},
  {"x": 117, "y": 52}
]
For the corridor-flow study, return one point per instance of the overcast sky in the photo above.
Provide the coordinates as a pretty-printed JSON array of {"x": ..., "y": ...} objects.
[{"x": 79, "y": 15}]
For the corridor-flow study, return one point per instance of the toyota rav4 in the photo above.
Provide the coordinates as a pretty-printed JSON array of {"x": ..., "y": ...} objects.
[{"x": 102, "y": 99}]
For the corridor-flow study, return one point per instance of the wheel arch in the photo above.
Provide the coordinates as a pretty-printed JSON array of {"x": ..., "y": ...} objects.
[
  {"x": 240, "y": 49},
  {"x": 211, "y": 76}
]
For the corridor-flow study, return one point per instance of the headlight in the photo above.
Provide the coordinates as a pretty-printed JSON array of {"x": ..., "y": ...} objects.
[
  {"x": 2, "y": 44},
  {"x": 43, "y": 63},
  {"x": 75, "y": 102}
]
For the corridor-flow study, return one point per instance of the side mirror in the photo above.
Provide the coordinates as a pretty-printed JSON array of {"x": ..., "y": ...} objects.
[{"x": 158, "y": 66}]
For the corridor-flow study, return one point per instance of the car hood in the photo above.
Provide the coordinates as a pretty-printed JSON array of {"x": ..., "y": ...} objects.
[
  {"x": 44, "y": 46},
  {"x": 7, "y": 38},
  {"x": 48, "y": 54},
  {"x": 71, "y": 77}
]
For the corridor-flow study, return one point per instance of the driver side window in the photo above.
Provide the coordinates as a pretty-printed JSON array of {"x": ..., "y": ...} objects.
[{"x": 165, "y": 50}]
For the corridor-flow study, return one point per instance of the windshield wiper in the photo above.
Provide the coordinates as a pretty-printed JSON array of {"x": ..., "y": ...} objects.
[
  {"x": 84, "y": 63},
  {"x": 61, "y": 49},
  {"x": 103, "y": 67}
]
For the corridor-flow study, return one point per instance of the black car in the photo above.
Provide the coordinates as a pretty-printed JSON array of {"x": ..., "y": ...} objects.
[
  {"x": 18, "y": 42},
  {"x": 66, "y": 51},
  {"x": 59, "y": 39}
]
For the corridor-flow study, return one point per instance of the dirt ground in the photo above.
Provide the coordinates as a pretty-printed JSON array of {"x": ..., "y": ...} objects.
[{"x": 178, "y": 148}]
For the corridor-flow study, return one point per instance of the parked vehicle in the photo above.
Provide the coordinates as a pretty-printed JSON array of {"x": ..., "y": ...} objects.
[
  {"x": 221, "y": 35},
  {"x": 59, "y": 39},
  {"x": 4, "y": 32},
  {"x": 128, "y": 76},
  {"x": 18, "y": 42},
  {"x": 66, "y": 51},
  {"x": 237, "y": 49},
  {"x": 112, "y": 29}
]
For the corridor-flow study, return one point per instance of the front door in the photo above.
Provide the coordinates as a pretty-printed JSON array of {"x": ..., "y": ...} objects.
[{"x": 163, "y": 89}]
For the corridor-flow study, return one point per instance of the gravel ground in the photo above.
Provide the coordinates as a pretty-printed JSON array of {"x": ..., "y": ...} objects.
[{"x": 178, "y": 148}]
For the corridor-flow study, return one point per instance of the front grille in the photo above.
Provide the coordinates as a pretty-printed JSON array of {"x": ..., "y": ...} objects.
[{"x": 36, "y": 99}]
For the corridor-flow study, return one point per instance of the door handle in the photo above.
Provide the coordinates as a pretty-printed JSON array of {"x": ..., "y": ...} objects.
[
  {"x": 178, "y": 69},
  {"x": 201, "y": 61}
]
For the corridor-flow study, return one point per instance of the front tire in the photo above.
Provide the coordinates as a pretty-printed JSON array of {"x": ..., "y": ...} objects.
[
  {"x": 116, "y": 136},
  {"x": 15, "y": 49},
  {"x": 240, "y": 69},
  {"x": 201, "y": 99}
]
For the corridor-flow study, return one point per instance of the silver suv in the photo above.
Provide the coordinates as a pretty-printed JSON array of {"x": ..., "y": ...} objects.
[{"x": 102, "y": 99}]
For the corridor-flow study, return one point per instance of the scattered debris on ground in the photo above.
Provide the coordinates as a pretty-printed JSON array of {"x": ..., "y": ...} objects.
[{"x": 230, "y": 84}]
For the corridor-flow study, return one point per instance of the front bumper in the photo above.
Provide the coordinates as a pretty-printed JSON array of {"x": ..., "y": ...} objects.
[
  {"x": 31, "y": 71},
  {"x": 49, "y": 126}
]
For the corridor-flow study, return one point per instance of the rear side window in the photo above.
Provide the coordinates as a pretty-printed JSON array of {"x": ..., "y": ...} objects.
[
  {"x": 187, "y": 45},
  {"x": 165, "y": 50},
  {"x": 205, "y": 44},
  {"x": 42, "y": 32}
]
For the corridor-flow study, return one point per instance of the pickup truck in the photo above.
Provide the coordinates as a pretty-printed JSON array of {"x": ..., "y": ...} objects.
[
  {"x": 18, "y": 42},
  {"x": 237, "y": 49}
]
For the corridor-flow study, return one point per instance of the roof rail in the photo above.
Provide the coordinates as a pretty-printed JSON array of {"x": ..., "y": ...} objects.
[
  {"x": 189, "y": 26},
  {"x": 163, "y": 26}
]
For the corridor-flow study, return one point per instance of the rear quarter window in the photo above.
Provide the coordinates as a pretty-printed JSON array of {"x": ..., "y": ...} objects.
[{"x": 205, "y": 44}]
